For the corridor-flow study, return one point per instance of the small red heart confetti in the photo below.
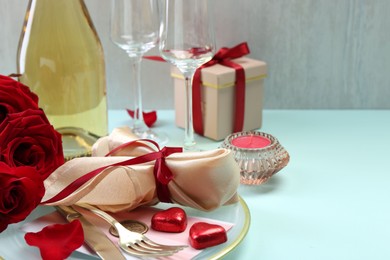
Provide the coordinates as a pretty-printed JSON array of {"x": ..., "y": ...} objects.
[
  {"x": 149, "y": 117},
  {"x": 172, "y": 220},
  {"x": 203, "y": 235}
]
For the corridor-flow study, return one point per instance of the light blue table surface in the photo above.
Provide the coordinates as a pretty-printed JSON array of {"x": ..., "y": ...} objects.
[{"x": 332, "y": 199}]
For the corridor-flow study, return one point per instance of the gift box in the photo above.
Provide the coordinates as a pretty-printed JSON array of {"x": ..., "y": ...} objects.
[{"x": 218, "y": 97}]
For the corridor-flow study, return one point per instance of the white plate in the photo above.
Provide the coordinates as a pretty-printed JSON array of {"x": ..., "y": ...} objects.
[{"x": 14, "y": 247}]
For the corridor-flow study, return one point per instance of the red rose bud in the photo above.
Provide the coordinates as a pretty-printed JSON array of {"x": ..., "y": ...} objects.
[
  {"x": 203, "y": 235},
  {"x": 172, "y": 220}
]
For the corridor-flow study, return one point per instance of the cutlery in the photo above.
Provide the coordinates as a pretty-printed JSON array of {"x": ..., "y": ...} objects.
[
  {"x": 134, "y": 243},
  {"x": 94, "y": 237}
]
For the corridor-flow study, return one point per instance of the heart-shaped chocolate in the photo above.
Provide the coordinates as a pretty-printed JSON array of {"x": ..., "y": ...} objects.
[
  {"x": 203, "y": 235},
  {"x": 172, "y": 220}
]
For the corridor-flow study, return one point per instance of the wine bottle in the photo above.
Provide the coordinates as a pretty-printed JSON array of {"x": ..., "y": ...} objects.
[{"x": 61, "y": 59}]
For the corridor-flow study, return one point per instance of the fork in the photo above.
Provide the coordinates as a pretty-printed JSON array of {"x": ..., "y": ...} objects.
[{"x": 135, "y": 243}]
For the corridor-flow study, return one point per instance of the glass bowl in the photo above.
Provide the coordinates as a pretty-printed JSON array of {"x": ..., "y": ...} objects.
[{"x": 257, "y": 164}]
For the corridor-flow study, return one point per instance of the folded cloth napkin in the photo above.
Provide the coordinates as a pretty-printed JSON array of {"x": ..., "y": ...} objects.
[{"x": 202, "y": 180}]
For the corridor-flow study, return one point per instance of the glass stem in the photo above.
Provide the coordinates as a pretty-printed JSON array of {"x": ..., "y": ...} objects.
[
  {"x": 139, "y": 125},
  {"x": 189, "y": 139}
]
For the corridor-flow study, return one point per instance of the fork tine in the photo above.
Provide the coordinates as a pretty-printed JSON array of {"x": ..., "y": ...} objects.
[
  {"x": 142, "y": 248},
  {"x": 135, "y": 243},
  {"x": 137, "y": 252},
  {"x": 135, "y": 248},
  {"x": 145, "y": 246},
  {"x": 146, "y": 240},
  {"x": 141, "y": 241}
]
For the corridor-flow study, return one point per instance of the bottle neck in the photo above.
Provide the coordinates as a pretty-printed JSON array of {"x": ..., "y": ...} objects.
[
  {"x": 63, "y": 4},
  {"x": 57, "y": 11}
]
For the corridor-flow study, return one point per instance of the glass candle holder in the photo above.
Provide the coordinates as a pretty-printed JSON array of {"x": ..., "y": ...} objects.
[{"x": 259, "y": 155}]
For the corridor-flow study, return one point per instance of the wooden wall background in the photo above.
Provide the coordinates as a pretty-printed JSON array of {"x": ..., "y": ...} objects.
[{"x": 321, "y": 54}]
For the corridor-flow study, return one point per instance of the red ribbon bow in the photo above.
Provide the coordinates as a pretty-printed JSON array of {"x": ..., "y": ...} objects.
[
  {"x": 162, "y": 173},
  {"x": 223, "y": 57}
]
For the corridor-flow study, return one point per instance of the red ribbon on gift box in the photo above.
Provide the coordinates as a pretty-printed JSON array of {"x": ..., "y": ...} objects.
[{"x": 224, "y": 57}]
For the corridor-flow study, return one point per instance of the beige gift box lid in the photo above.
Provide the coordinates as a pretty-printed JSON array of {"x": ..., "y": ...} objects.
[
  {"x": 218, "y": 83},
  {"x": 219, "y": 76}
]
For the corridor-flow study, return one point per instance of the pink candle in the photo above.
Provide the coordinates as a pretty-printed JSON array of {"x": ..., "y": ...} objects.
[{"x": 251, "y": 141}]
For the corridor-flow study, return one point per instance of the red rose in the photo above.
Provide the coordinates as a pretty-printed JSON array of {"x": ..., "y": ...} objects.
[
  {"x": 28, "y": 139},
  {"x": 21, "y": 190},
  {"x": 15, "y": 97}
]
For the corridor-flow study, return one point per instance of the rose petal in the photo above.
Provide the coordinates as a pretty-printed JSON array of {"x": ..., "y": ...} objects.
[
  {"x": 149, "y": 117},
  {"x": 58, "y": 241}
]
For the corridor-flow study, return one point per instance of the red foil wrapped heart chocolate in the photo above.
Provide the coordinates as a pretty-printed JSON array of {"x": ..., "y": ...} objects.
[
  {"x": 203, "y": 235},
  {"x": 172, "y": 220}
]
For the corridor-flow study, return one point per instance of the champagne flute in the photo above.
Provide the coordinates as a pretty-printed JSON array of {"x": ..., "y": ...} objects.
[
  {"x": 187, "y": 41},
  {"x": 135, "y": 29}
]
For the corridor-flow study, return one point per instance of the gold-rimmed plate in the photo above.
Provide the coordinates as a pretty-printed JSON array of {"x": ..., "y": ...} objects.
[
  {"x": 76, "y": 142},
  {"x": 13, "y": 246},
  {"x": 238, "y": 214}
]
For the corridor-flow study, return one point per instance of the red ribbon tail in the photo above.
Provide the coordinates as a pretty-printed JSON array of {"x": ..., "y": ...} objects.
[
  {"x": 240, "y": 101},
  {"x": 162, "y": 180},
  {"x": 197, "y": 102}
]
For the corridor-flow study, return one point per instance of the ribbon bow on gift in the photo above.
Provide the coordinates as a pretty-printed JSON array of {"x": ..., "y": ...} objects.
[{"x": 224, "y": 57}]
